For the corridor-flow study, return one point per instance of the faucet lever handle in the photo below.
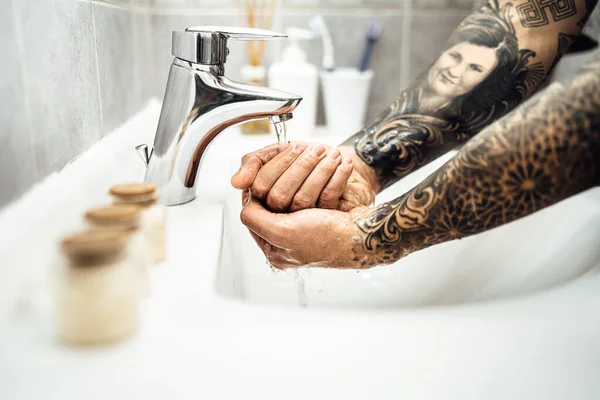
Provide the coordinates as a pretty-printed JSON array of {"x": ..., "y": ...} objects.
[
  {"x": 208, "y": 44},
  {"x": 239, "y": 33}
]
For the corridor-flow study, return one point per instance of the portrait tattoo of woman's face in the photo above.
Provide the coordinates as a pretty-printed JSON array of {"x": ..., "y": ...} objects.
[
  {"x": 459, "y": 70},
  {"x": 480, "y": 76}
]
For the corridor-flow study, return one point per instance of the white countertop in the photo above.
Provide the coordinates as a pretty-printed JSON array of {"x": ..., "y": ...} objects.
[{"x": 195, "y": 344}]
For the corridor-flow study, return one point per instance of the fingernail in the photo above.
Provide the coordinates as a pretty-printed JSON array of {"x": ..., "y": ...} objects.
[
  {"x": 299, "y": 148},
  {"x": 335, "y": 153},
  {"x": 318, "y": 150},
  {"x": 348, "y": 161}
]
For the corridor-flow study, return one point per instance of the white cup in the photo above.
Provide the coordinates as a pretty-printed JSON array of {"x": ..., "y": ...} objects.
[{"x": 345, "y": 94}]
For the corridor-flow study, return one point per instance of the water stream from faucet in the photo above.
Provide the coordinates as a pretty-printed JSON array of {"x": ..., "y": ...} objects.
[
  {"x": 280, "y": 131},
  {"x": 299, "y": 280}
]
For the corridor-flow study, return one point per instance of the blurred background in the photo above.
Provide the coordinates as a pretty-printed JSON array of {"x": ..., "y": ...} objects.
[{"x": 74, "y": 70}]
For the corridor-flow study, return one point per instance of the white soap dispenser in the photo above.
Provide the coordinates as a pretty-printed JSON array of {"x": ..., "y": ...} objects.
[{"x": 293, "y": 74}]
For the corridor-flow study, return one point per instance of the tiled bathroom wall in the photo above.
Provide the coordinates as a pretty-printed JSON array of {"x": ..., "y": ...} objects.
[
  {"x": 72, "y": 70},
  {"x": 396, "y": 59}
]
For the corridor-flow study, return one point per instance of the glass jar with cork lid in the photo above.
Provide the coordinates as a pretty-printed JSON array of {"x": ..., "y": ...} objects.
[
  {"x": 97, "y": 299},
  {"x": 153, "y": 224},
  {"x": 127, "y": 219}
]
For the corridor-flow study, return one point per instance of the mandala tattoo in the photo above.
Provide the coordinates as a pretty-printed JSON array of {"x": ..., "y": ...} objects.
[
  {"x": 543, "y": 152},
  {"x": 481, "y": 77}
]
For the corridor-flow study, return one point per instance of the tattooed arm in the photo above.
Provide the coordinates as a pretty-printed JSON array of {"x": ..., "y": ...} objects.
[
  {"x": 496, "y": 58},
  {"x": 542, "y": 153}
]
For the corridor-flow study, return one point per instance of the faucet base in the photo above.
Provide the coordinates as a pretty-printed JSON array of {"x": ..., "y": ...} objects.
[{"x": 180, "y": 202}]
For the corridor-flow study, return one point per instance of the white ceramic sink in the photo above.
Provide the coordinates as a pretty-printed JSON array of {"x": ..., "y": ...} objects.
[
  {"x": 549, "y": 248},
  {"x": 203, "y": 334}
]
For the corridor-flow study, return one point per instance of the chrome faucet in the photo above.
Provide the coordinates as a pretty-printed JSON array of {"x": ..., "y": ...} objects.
[{"x": 200, "y": 102}]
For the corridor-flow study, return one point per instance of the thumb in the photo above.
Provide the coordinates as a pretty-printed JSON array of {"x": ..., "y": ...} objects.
[
  {"x": 267, "y": 225},
  {"x": 245, "y": 176}
]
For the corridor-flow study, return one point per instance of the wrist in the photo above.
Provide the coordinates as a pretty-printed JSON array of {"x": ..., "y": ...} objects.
[
  {"x": 364, "y": 170},
  {"x": 370, "y": 248}
]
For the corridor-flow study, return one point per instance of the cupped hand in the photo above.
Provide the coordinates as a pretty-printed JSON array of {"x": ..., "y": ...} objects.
[
  {"x": 315, "y": 237},
  {"x": 297, "y": 176}
]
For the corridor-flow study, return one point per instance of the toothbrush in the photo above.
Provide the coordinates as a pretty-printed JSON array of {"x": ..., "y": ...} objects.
[
  {"x": 317, "y": 25},
  {"x": 372, "y": 36}
]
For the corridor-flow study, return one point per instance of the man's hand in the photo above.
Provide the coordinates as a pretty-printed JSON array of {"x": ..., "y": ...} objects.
[
  {"x": 315, "y": 237},
  {"x": 297, "y": 176}
]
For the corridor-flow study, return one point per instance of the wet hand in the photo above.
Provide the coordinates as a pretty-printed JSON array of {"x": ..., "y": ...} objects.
[
  {"x": 297, "y": 176},
  {"x": 315, "y": 237}
]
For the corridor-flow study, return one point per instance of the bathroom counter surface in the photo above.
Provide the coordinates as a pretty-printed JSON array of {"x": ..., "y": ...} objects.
[{"x": 196, "y": 344}]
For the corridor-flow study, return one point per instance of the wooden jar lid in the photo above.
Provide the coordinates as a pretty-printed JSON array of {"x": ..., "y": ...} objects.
[
  {"x": 115, "y": 214},
  {"x": 93, "y": 243},
  {"x": 134, "y": 191}
]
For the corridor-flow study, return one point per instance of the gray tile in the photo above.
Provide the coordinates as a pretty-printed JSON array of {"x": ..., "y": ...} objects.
[
  {"x": 348, "y": 32},
  {"x": 464, "y": 4},
  {"x": 16, "y": 159},
  {"x": 143, "y": 61},
  {"x": 431, "y": 4},
  {"x": 128, "y": 3},
  {"x": 384, "y": 3},
  {"x": 344, "y": 3},
  {"x": 429, "y": 33},
  {"x": 290, "y": 4},
  {"x": 120, "y": 91},
  {"x": 194, "y": 3},
  {"x": 60, "y": 66}
]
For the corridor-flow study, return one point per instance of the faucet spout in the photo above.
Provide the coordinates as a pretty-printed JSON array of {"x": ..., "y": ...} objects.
[{"x": 199, "y": 104}]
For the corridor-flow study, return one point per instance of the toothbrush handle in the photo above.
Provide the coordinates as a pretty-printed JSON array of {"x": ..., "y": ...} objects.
[{"x": 364, "y": 63}]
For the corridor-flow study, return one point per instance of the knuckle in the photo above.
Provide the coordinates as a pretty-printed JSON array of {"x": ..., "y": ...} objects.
[
  {"x": 259, "y": 188},
  {"x": 306, "y": 162},
  {"x": 328, "y": 196},
  {"x": 302, "y": 201},
  {"x": 277, "y": 200}
]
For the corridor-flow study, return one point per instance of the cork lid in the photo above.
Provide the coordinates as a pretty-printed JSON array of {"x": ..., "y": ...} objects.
[
  {"x": 121, "y": 214},
  {"x": 133, "y": 192},
  {"x": 93, "y": 243}
]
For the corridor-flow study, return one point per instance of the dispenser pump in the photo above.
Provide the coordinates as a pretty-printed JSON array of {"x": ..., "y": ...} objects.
[
  {"x": 294, "y": 74},
  {"x": 293, "y": 52}
]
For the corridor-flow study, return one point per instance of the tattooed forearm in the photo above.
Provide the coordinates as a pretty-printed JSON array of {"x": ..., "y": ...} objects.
[
  {"x": 493, "y": 61},
  {"x": 542, "y": 153}
]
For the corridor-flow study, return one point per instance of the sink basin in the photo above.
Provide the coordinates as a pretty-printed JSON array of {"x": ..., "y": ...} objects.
[{"x": 549, "y": 248}]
